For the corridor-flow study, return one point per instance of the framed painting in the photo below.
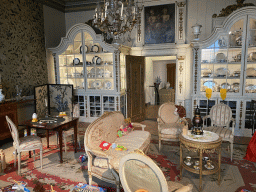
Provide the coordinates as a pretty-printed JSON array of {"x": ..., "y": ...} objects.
[{"x": 160, "y": 24}]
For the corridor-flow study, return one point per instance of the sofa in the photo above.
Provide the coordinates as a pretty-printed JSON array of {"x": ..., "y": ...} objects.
[{"x": 105, "y": 164}]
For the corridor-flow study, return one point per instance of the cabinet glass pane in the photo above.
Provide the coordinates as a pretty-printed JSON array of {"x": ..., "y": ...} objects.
[
  {"x": 95, "y": 106},
  {"x": 99, "y": 67},
  {"x": 250, "y": 85},
  {"x": 221, "y": 62},
  {"x": 71, "y": 64}
]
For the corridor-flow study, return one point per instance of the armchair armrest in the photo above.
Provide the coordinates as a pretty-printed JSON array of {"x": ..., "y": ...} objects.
[{"x": 139, "y": 125}]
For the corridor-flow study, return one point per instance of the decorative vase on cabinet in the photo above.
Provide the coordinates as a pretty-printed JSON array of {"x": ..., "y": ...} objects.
[
  {"x": 226, "y": 60},
  {"x": 96, "y": 70}
]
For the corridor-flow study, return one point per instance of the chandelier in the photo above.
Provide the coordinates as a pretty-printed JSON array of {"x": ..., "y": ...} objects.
[{"x": 116, "y": 18}]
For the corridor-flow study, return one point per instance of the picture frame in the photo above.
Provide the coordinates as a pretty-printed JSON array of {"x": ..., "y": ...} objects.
[{"x": 160, "y": 24}]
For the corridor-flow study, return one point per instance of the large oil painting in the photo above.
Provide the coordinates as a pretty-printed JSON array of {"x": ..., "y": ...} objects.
[{"x": 160, "y": 24}]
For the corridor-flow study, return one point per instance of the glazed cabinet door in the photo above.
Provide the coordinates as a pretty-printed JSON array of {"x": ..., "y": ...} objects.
[
  {"x": 70, "y": 64},
  {"x": 222, "y": 62},
  {"x": 250, "y": 59}
]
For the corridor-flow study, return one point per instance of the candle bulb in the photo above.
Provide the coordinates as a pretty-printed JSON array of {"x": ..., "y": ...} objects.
[
  {"x": 122, "y": 9},
  {"x": 46, "y": 102}
]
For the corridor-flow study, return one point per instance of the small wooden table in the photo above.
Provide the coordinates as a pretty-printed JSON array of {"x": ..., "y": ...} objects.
[
  {"x": 62, "y": 124},
  {"x": 209, "y": 143}
]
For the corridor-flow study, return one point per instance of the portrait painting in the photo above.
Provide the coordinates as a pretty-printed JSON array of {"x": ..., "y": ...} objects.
[{"x": 160, "y": 24}]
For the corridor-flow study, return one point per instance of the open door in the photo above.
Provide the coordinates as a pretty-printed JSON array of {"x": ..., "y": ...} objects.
[
  {"x": 135, "y": 75},
  {"x": 171, "y": 74}
]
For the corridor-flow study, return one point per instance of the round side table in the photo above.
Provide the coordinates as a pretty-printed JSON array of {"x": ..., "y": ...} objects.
[{"x": 209, "y": 142}]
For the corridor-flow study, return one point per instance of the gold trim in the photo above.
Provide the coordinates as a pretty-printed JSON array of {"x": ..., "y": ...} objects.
[
  {"x": 196, "y": 65},
  {"x": 180, "y": 86},
  {"x": 241, "y": 114},
  {"x": 231, "y": 8},
  {"x": 180, "y": 4}
]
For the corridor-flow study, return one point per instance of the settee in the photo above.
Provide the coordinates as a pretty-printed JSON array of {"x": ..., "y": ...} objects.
[{"x": 105, "y": 164}]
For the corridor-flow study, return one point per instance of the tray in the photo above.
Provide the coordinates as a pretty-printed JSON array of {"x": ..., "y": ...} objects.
[{"x": 222, "y": 72}]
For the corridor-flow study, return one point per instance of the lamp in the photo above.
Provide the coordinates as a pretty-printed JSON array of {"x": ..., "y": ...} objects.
[
  {"x": 196, "y": 30},
  {"x": 116, "y": 18}
]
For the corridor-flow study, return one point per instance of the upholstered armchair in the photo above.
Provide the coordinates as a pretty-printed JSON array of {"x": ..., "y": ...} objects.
[
  {"x": 105, "y": 164},
  {"x": 138, "y": 171},
  {"x": 221, "y": 117},
  {"x": 170, "y": 124}
]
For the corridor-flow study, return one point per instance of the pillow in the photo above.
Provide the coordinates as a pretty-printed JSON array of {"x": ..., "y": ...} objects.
[{"x": 100, "y": 162}]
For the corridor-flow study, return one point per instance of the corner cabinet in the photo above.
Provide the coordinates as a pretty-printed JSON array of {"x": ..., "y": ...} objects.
[
  {"x": 94, "y": 68},
  {"x": 227, "y": 59}
]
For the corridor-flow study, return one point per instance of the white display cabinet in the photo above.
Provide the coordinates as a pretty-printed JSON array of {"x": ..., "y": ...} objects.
[
  {"x": 227, "y": 59},
  {"x": 96, "y": 70}
]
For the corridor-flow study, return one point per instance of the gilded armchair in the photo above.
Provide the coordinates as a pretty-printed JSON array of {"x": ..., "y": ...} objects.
[
  {"x": 170, "y": 124},
  {"x": 221, "y": 117}
]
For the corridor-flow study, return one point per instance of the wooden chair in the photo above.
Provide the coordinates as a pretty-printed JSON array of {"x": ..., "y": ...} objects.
[
  {"x": 221, "y": 117},
  {"x": 28, "y": 143},
  {"x": 169, "y": 123},
  {"x": 138, "y": 171}
]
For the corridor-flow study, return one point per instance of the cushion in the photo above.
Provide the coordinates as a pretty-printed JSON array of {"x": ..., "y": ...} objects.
[
  {"x": 224, "y": 133},
  {"x": 102, "y": 172},
  {"x": 171, "y": 128},
  {"x": 100, "y": 162},
  {"x": 30, "y": 142},
  {"x": 134, "y": 140}
]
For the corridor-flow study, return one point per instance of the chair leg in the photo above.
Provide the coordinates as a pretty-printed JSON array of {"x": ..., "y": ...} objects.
[
  {"x": 159, "y": 145},
  {"x": 231, "y": 146},
  {"x": 41, "y": 157},
  {"x": 19, "y": 172},
  {"x": 15, "y": 157},
  {"x": 90, "y": 178},
  {"x": 34, "y": 156}
]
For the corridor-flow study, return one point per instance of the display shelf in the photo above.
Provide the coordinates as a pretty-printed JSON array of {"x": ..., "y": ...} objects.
[{"x": 227, "y": 59}]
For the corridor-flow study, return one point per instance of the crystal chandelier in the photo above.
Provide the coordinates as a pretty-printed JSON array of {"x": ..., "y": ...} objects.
[{"x": 117, "y": 18}]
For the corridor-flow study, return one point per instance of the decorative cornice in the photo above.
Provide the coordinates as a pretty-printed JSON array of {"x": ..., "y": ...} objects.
[
  {"x": 66, "y": 6},
  {"x": 229, "y": 9}
]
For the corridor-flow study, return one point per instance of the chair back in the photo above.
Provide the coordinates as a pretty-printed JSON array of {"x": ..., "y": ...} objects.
[
  {"x": 136, "y": 167},
  {"x": 221, "y": 115},
  {"x": 103, "y": 129},
  {"x": 167, "y": 113},
  {"x": 14, "y": 131}
]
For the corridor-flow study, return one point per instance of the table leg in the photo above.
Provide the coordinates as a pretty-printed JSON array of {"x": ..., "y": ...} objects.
[
  {"x": 200, "y": 169},
  {"x": 60, "y": 141},
  {"x": 181, "y": 161},
  {"x": 219, "y": 165},
  {"x": 75, "y": 135},
  {"x": 28, "y": 133},
  {"x": 47, "y": 137}
]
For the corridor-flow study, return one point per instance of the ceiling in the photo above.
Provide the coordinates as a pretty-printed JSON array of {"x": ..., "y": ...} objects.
[{"x": 71, "y": 5}]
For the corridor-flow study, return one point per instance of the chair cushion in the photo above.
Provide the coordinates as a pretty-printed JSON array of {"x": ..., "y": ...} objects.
[
  {"x": 30, "y": 142},
  {"x": 171, "y": 128},
  {"x": 224, "y": 133},
  {"x": 134, "y": 140},
  {"x": 102, "y": 172},
  {"x": 100, "y": 162}
]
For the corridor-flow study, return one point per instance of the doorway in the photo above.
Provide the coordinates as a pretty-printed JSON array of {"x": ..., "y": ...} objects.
[{"x": 171, "y": 74}]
